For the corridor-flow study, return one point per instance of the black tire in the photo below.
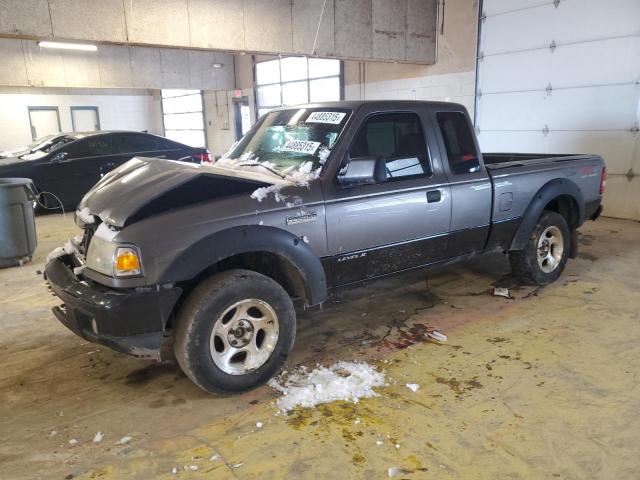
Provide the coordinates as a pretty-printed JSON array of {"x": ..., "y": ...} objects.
[
  {"x": 204, "y": 308},
  {"x": 524, "y": 263}
]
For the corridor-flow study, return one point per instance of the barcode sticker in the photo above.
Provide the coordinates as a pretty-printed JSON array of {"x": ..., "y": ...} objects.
[
  {"x": 300, "y": 146},
  {"x": 334, "y": 118}
]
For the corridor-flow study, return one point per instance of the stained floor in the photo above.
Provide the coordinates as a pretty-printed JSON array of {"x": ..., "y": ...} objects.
[{"x": 544, "y": 385}]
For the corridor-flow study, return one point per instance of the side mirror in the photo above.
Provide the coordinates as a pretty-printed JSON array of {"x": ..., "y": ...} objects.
[
  {"x": 59, "y": 157},
  {"x": 363, "y": 171}
]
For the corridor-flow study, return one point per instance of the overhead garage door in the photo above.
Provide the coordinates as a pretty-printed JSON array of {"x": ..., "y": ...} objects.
[{"x": 564, "y": 77}]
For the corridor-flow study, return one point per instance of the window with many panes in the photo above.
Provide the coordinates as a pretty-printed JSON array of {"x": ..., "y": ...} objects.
[
  {"x": 398, "y": 138},
  {"x": 296, "y": 80},
  {"x": 183, "y": 116}
]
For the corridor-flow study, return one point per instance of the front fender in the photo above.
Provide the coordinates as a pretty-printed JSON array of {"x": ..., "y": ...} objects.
[
  {"x": 550, "y": 191},
  {"x": 245, "y": 239}
]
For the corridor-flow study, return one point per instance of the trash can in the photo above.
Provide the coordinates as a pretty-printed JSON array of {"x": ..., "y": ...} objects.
[{"x": 17, "y": 222}]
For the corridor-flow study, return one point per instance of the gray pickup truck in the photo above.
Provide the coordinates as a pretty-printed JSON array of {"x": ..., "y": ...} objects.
[{"x": 314, "y": 198}]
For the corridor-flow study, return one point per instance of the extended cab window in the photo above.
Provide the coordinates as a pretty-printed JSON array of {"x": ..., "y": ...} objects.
[
  {"x": 135, "y": 143},
  {"x": 458, "y": 140},
  {"x": 398, "y": 138}
]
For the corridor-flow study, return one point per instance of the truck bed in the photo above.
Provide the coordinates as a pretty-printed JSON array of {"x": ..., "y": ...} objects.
[{"x": 501, "y": 160}]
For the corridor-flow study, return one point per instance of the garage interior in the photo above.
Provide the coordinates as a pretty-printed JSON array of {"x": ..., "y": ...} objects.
[{"x": 541, "y": 384}]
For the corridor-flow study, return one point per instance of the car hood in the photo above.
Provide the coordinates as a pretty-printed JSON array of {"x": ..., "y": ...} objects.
[
  {"x": 13, "y": 153},
  {"x": 144, "y": 187}
]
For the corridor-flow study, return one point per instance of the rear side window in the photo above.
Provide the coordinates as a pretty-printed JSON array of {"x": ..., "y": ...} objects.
[
  {"x": 94, "y": 146},
  {"x": 399, "y": 139},
  {"x": 458, "y": 140},
  {"x": 135, "y": 143}
]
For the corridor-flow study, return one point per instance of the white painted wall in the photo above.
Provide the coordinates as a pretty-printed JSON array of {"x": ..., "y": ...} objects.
[
  {"x": 582, "y": 96},
  {"x": 405, "y": 82},
  {"x": 118, "y": 110}
]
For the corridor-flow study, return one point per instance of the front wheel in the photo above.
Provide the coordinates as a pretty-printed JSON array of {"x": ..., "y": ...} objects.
[
  {"x": 545, "y": 255},
  {"x": 234, "y": 331}
]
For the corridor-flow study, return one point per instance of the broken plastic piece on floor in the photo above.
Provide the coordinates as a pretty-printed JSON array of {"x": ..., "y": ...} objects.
[
  {"x": 413, "y": 387},
  {"x": 501, "y": 292},
  {"x": 436, "y": 335},
  {"x": 98, "y": 437}
]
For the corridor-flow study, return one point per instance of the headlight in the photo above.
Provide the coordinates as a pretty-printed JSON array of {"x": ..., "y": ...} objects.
[
  {"x": 100, "y": 255},
  {"x": 109, "y": 258},
  {"x": 127, "y": 262}
]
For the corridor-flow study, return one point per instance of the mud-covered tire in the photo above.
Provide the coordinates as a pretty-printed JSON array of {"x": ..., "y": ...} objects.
[
  {"x": 202, "y": 317},
  {"x": 528, "y": 264}
]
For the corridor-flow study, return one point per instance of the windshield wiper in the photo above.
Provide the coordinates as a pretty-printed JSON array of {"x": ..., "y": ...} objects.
[{"x": 258, "y": 164}]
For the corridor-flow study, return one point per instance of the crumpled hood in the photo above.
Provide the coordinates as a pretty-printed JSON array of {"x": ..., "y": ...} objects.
[{"x": 143, "y": 187}]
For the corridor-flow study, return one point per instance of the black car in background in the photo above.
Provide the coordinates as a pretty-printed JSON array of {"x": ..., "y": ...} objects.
[{"x": 69, "y": 164}]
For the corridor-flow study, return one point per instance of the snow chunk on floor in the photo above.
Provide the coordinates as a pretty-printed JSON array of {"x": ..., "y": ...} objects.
[
  {"x": 393, "y": 471},
  {"x": 348, "y": 381},
  {"x": 413, "y": 387}
]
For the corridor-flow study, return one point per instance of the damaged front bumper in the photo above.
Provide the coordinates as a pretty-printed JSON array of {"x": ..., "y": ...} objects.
[{"x": 130, "y": 321}]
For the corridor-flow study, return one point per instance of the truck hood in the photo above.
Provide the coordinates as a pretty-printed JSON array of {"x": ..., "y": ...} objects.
[{"x": 143, "y": 187}]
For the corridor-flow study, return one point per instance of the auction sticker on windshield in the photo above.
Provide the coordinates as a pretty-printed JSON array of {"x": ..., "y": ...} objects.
[
  {"x": 333, "y": 118},
  {"x": 300, "y": 146}
]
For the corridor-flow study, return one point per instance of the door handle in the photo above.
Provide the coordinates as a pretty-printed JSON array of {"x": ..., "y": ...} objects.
[{"x": 434, "y": 196}]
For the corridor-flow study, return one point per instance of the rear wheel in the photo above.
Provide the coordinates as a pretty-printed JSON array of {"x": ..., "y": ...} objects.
[
  {"x": 545, "y": 255},
  {"x": 234, "y": 331}
]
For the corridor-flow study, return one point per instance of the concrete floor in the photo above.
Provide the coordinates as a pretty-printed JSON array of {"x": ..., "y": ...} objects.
[{"x": 541, "y": 386}]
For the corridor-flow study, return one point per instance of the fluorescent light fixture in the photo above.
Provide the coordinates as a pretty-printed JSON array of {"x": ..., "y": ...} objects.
[{"x": 69, "y": 46}]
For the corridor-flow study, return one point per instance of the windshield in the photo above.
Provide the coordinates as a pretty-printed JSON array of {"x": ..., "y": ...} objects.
[
  {"x": 40, "y": 142},
  {"x": 45, "y": 145},
  {"x": 288, "y": 139}
]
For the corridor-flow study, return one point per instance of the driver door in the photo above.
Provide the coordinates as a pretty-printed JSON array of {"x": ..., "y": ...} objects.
[{"x": 395, "y": 224}]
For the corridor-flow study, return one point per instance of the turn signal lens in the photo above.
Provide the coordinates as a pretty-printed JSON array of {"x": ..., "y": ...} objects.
[{"x": 127, "y": 262}]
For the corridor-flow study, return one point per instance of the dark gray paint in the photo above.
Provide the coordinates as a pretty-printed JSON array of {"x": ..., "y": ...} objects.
[{"x": 342, "y": 221}]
